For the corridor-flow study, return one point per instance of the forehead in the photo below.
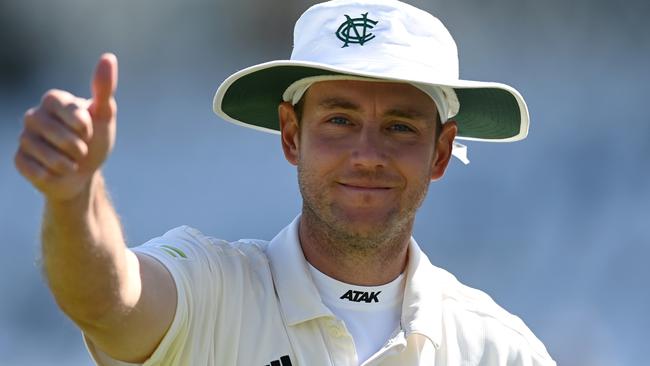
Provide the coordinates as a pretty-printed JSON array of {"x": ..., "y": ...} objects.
[{"x": 371, "y": 94}]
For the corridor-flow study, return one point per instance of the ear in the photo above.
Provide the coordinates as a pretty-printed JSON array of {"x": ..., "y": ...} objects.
[
  {"x": 443, "y": 149},
  {"x": 290, "y": 132}
]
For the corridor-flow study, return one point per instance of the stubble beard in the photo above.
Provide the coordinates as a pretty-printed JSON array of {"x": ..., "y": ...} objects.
[{"x": 341, "y": 237}]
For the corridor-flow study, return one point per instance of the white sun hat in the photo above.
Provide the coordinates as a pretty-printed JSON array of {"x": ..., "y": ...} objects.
[{"x": 374, "y": 40}]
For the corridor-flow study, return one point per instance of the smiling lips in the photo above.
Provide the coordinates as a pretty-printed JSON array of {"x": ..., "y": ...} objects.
[
  {"x": 367, "y": 186},
  {"x": 368, "y": 183},
  {"x": 364, "y": 195}
]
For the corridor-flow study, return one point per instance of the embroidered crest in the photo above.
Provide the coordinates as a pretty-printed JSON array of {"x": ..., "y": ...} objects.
[{"x": 355, "y": 30}]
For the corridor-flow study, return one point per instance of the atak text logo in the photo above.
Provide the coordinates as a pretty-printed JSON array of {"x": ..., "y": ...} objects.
[{"x": 359, "y": 296}]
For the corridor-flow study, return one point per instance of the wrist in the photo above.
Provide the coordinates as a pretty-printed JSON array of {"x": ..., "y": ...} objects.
[{"x": 82, "y": 199}]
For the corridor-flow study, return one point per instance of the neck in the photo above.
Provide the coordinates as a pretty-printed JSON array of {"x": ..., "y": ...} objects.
[{"x": 356, "y": 260}]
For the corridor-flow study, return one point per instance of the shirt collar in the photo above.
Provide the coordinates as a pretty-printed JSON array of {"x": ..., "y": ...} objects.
[
  {"x": 300, "y": 300},
  {"x": 422, "y": 305},
  {"x": 299, "y": 297}
]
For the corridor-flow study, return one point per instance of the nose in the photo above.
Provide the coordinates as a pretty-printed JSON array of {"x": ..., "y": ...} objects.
[{"x": 369, "y": 150}]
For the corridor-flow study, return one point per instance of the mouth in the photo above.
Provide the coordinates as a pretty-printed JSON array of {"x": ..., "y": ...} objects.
[{"x": 372, "y": 187}]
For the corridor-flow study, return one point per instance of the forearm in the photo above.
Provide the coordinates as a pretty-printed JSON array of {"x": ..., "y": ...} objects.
[
  {"x": 95, "y": 279},
  {"x": 84, "y": 255}
]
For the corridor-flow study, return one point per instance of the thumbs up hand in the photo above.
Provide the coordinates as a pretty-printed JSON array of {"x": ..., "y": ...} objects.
[{"x": 66, "y": 139}]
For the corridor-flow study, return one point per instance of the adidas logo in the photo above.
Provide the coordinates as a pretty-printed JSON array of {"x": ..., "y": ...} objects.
[
  {"x": 359, "y": 296},
  {"x": 283, "y": 361}
]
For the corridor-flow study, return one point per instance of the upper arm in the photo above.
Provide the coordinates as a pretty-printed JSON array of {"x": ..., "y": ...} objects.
[{"x": 135, "y": 331}]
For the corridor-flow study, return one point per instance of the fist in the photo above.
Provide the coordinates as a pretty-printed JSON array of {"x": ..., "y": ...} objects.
[{"x": 66, "y": 139}]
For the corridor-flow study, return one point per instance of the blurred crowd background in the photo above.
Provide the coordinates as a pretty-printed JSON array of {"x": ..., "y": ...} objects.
[{"x": 555, "y": 228}]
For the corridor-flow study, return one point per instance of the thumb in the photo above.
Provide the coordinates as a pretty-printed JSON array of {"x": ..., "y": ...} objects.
[{"x": 104, "y": 84}]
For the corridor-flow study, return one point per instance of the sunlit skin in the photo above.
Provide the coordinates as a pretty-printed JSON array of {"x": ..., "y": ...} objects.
[{"x": 365, "y": 153}]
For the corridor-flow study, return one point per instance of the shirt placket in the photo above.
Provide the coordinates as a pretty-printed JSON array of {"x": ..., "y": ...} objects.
[
  {"x": 339, "y": 342},
  {"x": 394, "y": 346}
]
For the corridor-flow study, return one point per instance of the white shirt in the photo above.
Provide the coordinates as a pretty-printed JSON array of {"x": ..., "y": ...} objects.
[
  {"x": 371, "y": 314},
  {"x": 254, "y": 303}
]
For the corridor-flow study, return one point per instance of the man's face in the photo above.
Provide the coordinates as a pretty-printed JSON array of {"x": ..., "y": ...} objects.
[{"x": 365, "y": 153}]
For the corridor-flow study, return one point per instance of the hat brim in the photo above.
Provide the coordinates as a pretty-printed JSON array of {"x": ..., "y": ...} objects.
[{"x": 488, "y": 111}]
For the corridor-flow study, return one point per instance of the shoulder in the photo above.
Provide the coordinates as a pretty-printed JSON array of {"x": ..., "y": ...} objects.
[
  {"x": 217, "y": 283},
  {"x": 187, "y": 248},
  {"x": 480, "y": 323},
  {"x": 199, "y": 244}
]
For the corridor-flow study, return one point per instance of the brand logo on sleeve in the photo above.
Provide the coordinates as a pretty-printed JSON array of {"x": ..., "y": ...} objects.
[
  {"x": 361, "y": 296},
  {"x": 173, "y": 251}
]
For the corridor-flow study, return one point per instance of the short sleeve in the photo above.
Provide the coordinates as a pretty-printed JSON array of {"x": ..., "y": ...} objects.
[{"x": 190, "y": 258}]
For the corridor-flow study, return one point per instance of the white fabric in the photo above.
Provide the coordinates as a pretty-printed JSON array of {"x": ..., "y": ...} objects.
[
  {"x": 370, "y": 313},
  {"x": 252, "y": 302},
  {"x": 409, "y": 45}
]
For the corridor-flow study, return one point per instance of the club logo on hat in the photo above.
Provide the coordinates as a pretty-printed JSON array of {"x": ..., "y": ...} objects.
[{"x": 355, "y": 30}]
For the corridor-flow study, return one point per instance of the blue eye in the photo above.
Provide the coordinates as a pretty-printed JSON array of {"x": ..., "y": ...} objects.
[
  {"x": 339, "y": 121},
  {"x": 400, "y": 127}
]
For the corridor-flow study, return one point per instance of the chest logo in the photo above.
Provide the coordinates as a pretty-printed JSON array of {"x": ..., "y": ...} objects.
[
  {"x": 359, "y": 296},
  {"x": 355, "y": 30}
]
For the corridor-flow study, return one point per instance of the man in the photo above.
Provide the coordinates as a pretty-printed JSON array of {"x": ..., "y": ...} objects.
[{"x": 360, "y": 108}]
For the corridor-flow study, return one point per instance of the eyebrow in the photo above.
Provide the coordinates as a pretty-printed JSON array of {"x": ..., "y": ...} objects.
[
  {"x": 407, "y": 113},
  {"x": 338, "y": 103},
  {"x": 401, "y": 112}
]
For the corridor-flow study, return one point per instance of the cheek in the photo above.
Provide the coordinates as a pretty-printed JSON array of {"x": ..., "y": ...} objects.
[
  {"x": 416, "y": 164},
  {"x": 319, "y": 153},
  {"x": 315, "y": 166}
]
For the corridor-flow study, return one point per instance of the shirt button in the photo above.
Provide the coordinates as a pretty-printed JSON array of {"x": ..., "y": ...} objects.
[{"x": 336, "y": 331}]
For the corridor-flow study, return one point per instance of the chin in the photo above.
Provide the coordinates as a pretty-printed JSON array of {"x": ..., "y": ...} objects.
[{"x": 366, "y": 223}]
